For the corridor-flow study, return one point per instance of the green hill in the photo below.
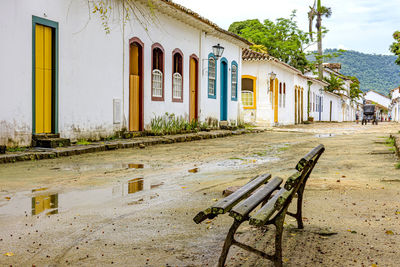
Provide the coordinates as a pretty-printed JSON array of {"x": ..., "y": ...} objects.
[{"x": 375, "y": 72}]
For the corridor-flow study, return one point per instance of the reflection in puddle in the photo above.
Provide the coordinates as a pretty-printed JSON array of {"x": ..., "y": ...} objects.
[
  {"x": 44, "y": 202},
  {"x": 153, "y": 186},
  {"x": 324, "y": 135},
  {"x": 135, "y": 185},
  {"x": 194, "y": 170},
  {"x": 135, "y": 166}
]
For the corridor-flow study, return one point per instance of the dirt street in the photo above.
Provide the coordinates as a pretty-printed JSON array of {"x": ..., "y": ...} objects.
[{"x": 135, "y": 207}]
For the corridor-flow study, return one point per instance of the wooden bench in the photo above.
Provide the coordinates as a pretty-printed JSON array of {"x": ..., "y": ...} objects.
[{"x": 274, "y": 201}]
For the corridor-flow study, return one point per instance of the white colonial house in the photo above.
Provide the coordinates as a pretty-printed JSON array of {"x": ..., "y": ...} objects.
[
  {"x": 395, "y": 105},
  {"x": 62, "y": 73},
  {"x": 381, "y": 101},
  {"x": 271, "y": 94}
]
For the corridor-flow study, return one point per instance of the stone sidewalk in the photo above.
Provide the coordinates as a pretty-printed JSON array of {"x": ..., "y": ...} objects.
[{"x": 137, "y": 142}]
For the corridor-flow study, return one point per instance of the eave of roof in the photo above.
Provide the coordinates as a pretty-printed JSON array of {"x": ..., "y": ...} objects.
[
  {"x": 337, "y": 73},
  {"x": 377, "y": 93},
  {"x": 250, "y": 55},
  {"x": 184, "y": 14}
]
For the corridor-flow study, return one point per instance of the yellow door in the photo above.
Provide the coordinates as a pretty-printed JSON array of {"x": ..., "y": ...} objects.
[
  {"x": 276, "y": 95},
  {"x": 193, "y": 82},
  {"x": 134, "y": 89},
  {"x": 43, "y": 79}
]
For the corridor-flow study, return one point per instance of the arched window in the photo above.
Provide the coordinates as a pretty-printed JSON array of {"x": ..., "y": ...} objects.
[
  {"x": 177, "y": 76},
  {"x": 234, "y": 80},
  {"x": 212, "y": 76},
  {"x": 248, "y": 92},
  {"x": 157, "y": 78},
  {"x": 284, "y": 94}
]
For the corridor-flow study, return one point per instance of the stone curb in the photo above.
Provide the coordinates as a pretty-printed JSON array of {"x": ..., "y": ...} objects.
[
  {"x": 139, "y": 142},
  {"x": 396, "y": 138}
]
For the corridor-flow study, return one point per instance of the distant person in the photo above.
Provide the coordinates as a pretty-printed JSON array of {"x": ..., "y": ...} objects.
[{"x": 357, "y": 117}]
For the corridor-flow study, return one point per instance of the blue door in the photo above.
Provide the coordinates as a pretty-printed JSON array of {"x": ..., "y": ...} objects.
[{"x": 224, "y": 90}]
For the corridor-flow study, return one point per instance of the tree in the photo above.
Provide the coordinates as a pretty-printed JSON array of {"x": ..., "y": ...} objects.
[
  {"x": 335, "y": 84},
  {"x": 318, "y": 12},
  {"x": 282, "y": 39},
  {"x": 395, "y": 47},
  {"x": 355, "y": 91}
]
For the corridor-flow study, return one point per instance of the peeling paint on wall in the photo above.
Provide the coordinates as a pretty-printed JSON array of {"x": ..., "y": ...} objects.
[{"x": 15, "y": 134}]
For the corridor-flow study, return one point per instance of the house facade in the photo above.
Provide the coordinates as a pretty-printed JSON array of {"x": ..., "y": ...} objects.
[
  {"x": 271, "y": 93},
  {"x": 382, "y": 103},
  {"x": 395, "y": 105},
  {"x": 64, "y": 73}
]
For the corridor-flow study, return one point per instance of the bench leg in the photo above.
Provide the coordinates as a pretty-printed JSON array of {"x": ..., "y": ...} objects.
[
  {"x": 278, "y": 238},
  {"x": 228, "y": 243},
  {"x": 299, "y": 214}
]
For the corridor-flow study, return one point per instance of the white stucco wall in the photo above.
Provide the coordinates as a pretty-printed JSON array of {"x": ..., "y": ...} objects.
[
  {"x": 378, "y": 98},
  {"x": 336, "y": 107},
  {"x": 263, "y": 115},
  {"x": 94, "y": 69}
]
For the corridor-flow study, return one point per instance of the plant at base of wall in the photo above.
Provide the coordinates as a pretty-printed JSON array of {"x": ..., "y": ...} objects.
[{"x": 310, "y": 119}]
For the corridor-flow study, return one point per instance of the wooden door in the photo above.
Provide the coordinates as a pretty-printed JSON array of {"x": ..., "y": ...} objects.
[
  {"x": 224, "y": 92},
  {"x": 193, "y": 90},
  {"x": 276, "y": 98},
  {"x": 43, "y": 79},
  {"x": 301, "y": 106},
  {"x": 330, "y": 111},
  {"x": 135, "y": 76}
]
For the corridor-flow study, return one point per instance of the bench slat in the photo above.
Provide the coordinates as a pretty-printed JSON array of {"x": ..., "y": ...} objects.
[
  {"x": 226, "y": 204},
  {"x": 241, "y": 211},
  {"x": 310, "y": 155},
  {"x": 262, "y": 216}
]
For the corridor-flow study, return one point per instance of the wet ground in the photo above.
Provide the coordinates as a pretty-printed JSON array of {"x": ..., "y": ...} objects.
[{"x": 135, "y": 207}]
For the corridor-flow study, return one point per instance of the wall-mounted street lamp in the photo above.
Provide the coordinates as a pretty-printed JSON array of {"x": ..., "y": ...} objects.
[
  {"x": 218, "y": 50},
  {"x": 272, "y": 75}
]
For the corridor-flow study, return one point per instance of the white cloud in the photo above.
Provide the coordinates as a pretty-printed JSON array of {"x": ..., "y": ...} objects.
[{"x": 362, "y": 25}]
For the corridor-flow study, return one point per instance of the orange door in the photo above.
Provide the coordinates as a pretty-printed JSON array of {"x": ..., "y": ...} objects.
[
  {"x": 193, "y": 90},
  {"x": 276, "y": 96},
  {"x": 134, "y": 89},
  {"x": 43, "y": 79},
  {"x": 295, "y": 105}
]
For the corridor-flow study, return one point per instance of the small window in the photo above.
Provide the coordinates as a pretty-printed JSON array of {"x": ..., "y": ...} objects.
[
  {"x": 284, "y": 94},
  {"x": 248, "y": 92},
  {"x": 177, "y": 76},
  {"x": 157, "y": 73},
  {"x": 234, "y": 80},
  {"x": 212, "y": 81}
]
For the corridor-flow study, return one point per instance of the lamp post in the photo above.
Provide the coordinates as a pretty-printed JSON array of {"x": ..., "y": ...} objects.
[{"x": 218, "y": 50}]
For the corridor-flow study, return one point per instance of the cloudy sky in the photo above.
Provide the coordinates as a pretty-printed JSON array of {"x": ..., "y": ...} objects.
[{"x": 361, "y": 25}]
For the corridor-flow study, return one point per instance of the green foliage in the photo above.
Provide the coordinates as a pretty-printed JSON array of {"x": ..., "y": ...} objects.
[
  {"x": 83, "y": 142},
  {"x": 16, "y": 149},
  {"x": 395, "y": 47},
  {"x": 375, "y": 72},
  {"x": 282, "y": 39},
  {"x": 171, "y": 124},
  {"x": 335, "y": 84},
  {"x": 397, "y": 166},
  {"x": 355, "y": 91}
]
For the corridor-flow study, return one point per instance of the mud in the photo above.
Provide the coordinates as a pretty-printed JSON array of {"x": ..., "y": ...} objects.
[{"x": 99, "y": 209}]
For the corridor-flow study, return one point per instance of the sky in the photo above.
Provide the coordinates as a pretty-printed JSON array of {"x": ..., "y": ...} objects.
[{"x": 361, "y": 25}]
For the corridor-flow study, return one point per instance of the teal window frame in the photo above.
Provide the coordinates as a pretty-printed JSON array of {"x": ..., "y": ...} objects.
[
  {"x": 234, "y": 63},
  {"x": 213, "y": 96},
  {"x": 54, "y": 26}
]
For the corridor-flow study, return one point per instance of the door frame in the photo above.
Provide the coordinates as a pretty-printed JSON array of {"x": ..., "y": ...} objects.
[
  {"x": 196, "y": 115},
  {"x": 141, "y": 93},
  {"x": 276, "y": 101},
  {"x": 55, "y": 74},
  {"x": 223, "y": 109}
]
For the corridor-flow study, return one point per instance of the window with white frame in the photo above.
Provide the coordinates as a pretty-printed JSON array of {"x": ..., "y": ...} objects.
[
  {"x": 234, "y": 80},
  {"x": 157, "y": 74},
  {"x": 280, "y": 94},
  {"x": 284, "y": 94},
  {"x": 211, "y": 76},
  {"x": 177, "y": 80},
  {"x": 248, "y": 93}
]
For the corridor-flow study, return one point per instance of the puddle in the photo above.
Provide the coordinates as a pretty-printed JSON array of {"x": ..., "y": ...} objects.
[
  {"x": 195, "y": 170},
  {"x": 135, "y": 166},
  {"x": 324, "y": 135},
  {"x": 135, "y": 185},
  {"x": 49, "y": 201}
]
